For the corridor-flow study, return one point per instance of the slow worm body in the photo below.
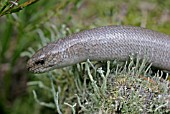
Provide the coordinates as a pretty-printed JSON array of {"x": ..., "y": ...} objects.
[{"x": 103, "y": 43}]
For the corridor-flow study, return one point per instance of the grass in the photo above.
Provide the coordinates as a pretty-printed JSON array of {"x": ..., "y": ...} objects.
[{"x": 23, "y": 32}]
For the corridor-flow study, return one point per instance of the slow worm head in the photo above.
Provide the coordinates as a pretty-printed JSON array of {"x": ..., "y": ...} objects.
[{"x": 103, "y": 43}]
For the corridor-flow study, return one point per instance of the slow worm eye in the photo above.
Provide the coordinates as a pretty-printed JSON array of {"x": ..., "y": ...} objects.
[{"x": 40, "y": 62}]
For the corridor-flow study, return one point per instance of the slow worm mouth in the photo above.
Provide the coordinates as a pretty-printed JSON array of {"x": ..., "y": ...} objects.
[{"x": 39, "y": 69}]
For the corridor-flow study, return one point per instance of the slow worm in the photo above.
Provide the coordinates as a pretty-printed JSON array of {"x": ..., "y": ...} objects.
[{"x": 103, "y": 43}]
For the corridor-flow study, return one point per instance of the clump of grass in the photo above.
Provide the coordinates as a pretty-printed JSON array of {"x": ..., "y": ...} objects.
[{"x": 124, "y": 90}]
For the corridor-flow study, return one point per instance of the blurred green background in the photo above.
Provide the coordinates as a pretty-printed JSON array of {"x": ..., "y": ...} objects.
[{"x": 24, "y": 29}]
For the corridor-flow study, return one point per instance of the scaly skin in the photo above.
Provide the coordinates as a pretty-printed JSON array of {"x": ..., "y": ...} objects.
[{"x": 103, "y": 43}]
